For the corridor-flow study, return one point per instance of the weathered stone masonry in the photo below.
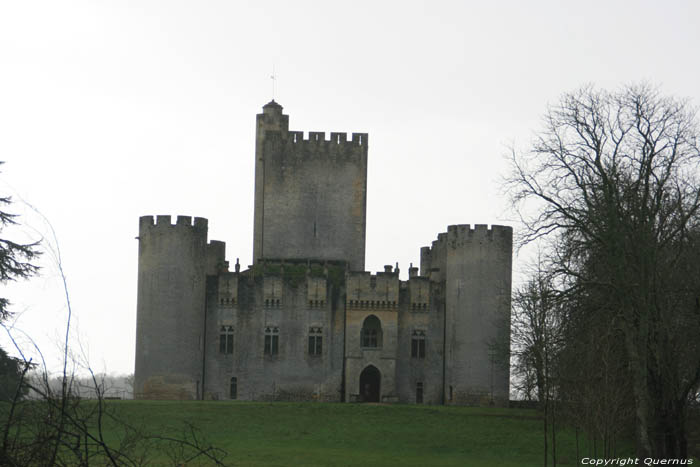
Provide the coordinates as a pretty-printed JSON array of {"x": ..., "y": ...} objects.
[{"x": 305, "y": 321}]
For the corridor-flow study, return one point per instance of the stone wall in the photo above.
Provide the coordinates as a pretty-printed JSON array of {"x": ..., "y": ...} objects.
[
  {"x": 255, "y": 300},
  {"x": 421, "y": 315}
]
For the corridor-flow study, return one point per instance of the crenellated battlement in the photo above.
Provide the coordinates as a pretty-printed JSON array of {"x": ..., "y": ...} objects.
[
  {"x": 441, "y": 240},
  {"x": 165, "y": 222},
  {"x": 319, "y": 137},
  {"x": 465, "y": 233}
]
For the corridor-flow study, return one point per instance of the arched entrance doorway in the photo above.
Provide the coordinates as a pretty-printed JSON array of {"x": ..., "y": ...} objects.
[{"x": 370, "y": 382}]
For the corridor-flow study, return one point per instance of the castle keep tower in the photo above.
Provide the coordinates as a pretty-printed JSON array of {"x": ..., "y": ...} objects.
[
  {"x": 310, "y": 194},
  {"x": 170, "y": 307}
]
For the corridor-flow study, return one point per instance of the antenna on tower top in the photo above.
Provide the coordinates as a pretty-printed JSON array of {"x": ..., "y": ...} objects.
[{"x": 273, "y": 77}]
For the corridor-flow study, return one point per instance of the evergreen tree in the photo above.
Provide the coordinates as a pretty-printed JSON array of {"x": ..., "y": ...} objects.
[{"x": 15, "y": 263}]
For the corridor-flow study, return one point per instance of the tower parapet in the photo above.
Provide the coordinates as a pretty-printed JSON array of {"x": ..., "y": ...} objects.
[
  {"x": 163, "y": 222},
  {"x": 319, "y": 137},
  {"x": 480, "y": 232}
]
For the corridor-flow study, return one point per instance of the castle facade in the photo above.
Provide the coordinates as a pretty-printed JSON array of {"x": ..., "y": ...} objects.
[{"x": 306, "y": 321}]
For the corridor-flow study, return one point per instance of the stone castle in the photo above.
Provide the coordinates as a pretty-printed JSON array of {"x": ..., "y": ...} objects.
[{"x": 306, "y": 321}]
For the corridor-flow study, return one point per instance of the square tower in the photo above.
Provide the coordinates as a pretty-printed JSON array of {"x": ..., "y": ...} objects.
[{"x": 310, "y": 194}]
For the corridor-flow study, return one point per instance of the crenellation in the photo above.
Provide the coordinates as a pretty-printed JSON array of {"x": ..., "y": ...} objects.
[
  {"x": 163, "y": 220},
  {"x": 184, "y": 220},
  {"x": 200, "y": 223},
  {"x": 146, "y": 223},
  {"x": 317, "y": 136},
  {"x": 460, "y": 234},
  {"x": 336, "y": 138},
  {"x": 296, "y": 136},
  {"x": 339, "y": 138},
  {"x": 361, "y": 139},
  {"x": 182, "y": 223}
]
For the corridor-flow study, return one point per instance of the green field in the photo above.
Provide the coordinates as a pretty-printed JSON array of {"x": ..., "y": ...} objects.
[{"x": 317, "y": 434}]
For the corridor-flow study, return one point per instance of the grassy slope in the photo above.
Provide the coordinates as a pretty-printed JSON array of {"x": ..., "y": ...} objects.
[{"x": 315, "y": 434}]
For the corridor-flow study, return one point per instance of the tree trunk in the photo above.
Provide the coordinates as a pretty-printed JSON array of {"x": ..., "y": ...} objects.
[{"x": 640, "y": 386}]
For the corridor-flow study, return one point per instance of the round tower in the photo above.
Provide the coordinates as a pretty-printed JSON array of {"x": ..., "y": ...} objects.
[
  {"x": 478, "y": 270},
  {"x": 170, "y": 308}
]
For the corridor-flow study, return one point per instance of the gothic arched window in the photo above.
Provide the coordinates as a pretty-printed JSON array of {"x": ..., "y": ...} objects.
[{"x": 371, "y": 336}]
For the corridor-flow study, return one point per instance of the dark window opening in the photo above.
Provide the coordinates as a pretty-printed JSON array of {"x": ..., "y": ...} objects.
[
  {"x": 371, "y": 335},
  {"x": 234, "y": 388},
  {"x": 226, "y": 340},
  {"x": 315, "y": 342},
  {"x": 418, "y": 344},
  {"x": 271, "y": 341},
  {"x": 419, "y": 392}
]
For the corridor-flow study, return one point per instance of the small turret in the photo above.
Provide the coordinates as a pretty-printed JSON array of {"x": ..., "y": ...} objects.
[{"x": 272, "y": 119}]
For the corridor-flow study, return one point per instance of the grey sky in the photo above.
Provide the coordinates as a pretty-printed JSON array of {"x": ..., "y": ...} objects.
[{"x": 113, "y": 110}]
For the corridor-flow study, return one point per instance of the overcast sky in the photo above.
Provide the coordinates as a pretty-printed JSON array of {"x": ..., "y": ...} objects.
[{"x": 114, "y": 110}]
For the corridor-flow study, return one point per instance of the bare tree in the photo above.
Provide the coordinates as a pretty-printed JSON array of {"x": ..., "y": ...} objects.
[
  {"x": 536, "y": 343},
  {"x": 612, "y": 180},
  {"x": 533, "y": 329},
  {"x": 57, "y": 427}
]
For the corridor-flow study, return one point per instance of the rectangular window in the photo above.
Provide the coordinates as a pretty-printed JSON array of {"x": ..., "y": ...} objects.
[
  {"x": 369, "y": 338},
  {"x": 419, "y": 392},
  {"x": 271, "y": 341},
  {"x": 315, "y": 342},
  {"x": 226, "y": 340},
  {"x": 418, "y": 344}
]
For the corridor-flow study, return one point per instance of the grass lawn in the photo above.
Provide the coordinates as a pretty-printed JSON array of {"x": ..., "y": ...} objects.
[{"x": 319, "y": 434}]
